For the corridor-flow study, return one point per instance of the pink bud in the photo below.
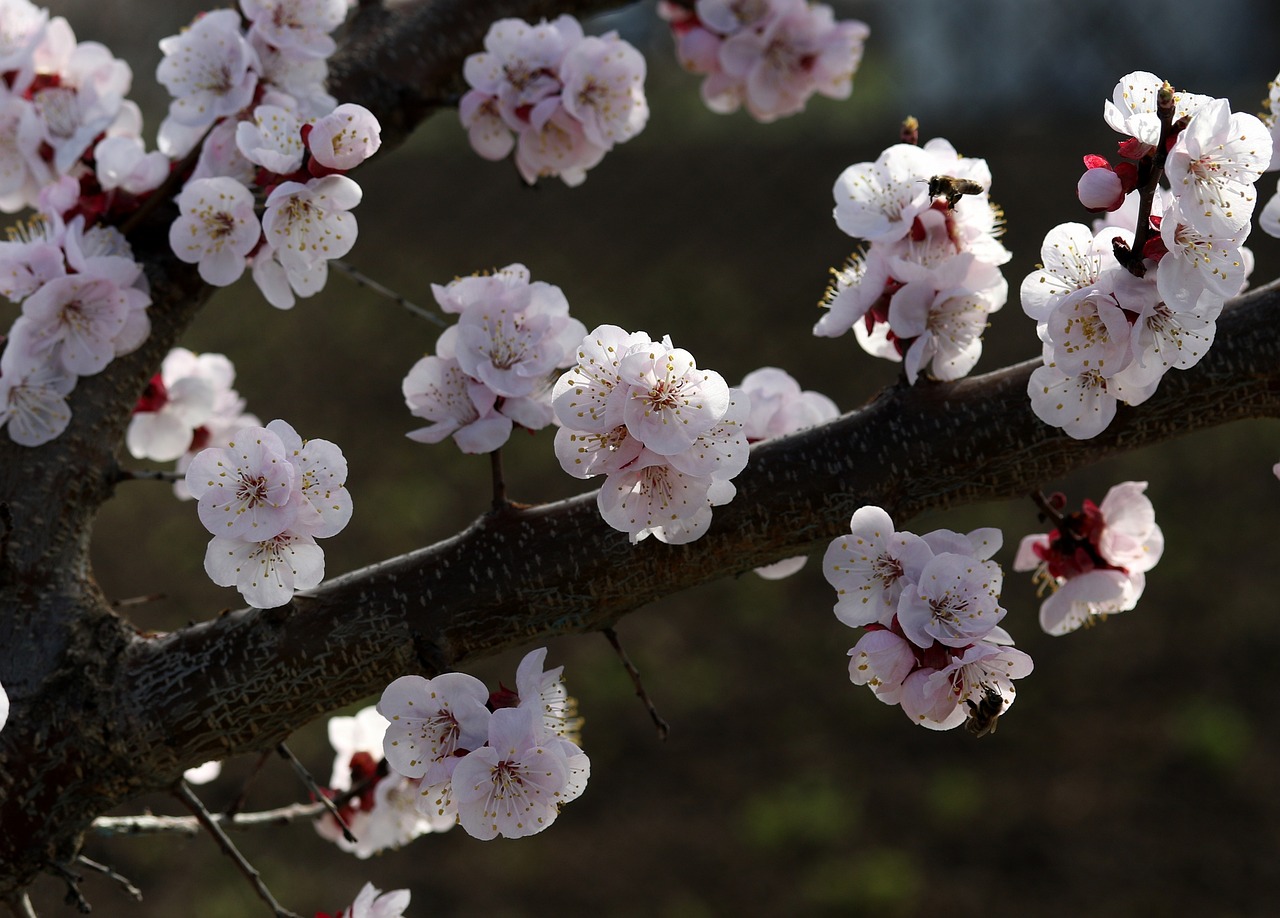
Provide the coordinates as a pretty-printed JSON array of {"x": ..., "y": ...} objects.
[{"x": 1100, "y": 189}]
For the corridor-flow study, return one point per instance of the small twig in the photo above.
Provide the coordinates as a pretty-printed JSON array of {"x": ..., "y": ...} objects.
[
  {"x": 499, "y": 483},
  {"x": 150, "y": 475},
  {"x": 20, "y": 906},
  {"x": 238, "y": 803},
  {"x": 147, "y": 824},
  {"x": 210, "y": 824},
  {"x": 305, "y": 777},
  {"x": 137, "y": 600},
  {"x": 73, "y": 880},
  {"x": 1048, "y": 510},
  {"x": 111, "y": 875},
  {"x": 663, "y": 727},
  {"x": 365, "y": 281}
]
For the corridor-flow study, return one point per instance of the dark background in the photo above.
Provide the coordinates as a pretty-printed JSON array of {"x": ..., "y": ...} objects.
[{"x": 1135, "y": 775}]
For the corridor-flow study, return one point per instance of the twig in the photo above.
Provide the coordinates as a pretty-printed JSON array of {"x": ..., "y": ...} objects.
[
  {"x": 663, "y": 727},
  {"x": 73, "y": 880},
  {"x": 150, "y": 475},
  {"x": 499, "y": 483},
  {"x": 20, "y": 906},
  {"x": 147, "y": 824},
  {"x": 111, "y": 875},
  {"x": 137, "y": 600},
  {"x": 365, "y": 281},
  {"x": 238, "y": 803},
  {"x": 1050, "y": 512},
  {"x": 305, "y": 777},
  {"x": 210, "y": 824}
]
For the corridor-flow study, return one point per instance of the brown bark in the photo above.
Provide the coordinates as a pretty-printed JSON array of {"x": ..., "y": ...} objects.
[{"x": 102, "y": 713}]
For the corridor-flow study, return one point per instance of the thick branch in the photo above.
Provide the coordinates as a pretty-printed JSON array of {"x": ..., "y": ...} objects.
[{"x": 523, "y": 576}]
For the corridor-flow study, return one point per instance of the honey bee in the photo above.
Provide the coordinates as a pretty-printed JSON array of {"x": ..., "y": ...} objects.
[
  {"x": 984, "y": 714},
  {"x": 952, "y": 188}
]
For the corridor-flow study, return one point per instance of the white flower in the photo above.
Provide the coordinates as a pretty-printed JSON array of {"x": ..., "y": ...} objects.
[
  {"x": 244, "y": 489},
  {"x": 76, "y": 320},
  {"x": 272, "y": 139},
  {"x": 373, "y": 903},
  {"x": 671, "y": 402},
  {"x": 210, "y": 70},
  {"x": 871, "y": 567},
  {"x": 267, "y": 573},
  {"x": 882, "y": 660},
  {"x": 955, "y": 602},
  {"x": 591, "y": 396},
  {"x": 345, "y": 137},
  {"x": 203, "y": 774},
  {"x": 878, "y": 201},
  {"x": 1132, "y": 109},
  {"x": 432, "y": 720},
  {"x": 216, "y": 229},
  {"x": 778, "y": 406},
  {"x": 604, "y": 89},
  {"x": 1213, "y": 165},
  {"x": 514, "y": 785},
  {"x": 33, "y": 395},
  {"x": 298, "y": 27},
  {"x": 306, "y": 224},
  {"x": 438, "y": 390}
]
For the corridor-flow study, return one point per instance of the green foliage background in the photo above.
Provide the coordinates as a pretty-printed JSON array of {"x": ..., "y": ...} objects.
[{"x": 1135, "y": 775}]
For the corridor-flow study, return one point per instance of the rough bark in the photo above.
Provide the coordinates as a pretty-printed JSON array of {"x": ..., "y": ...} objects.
[{"x": 102, "y": 713}]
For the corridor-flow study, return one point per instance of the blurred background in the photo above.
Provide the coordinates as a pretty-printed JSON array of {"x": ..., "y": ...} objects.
[{"x": 1135, "y": 775}]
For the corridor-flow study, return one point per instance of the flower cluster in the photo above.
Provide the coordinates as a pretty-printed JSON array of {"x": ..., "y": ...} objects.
[
  {"x": 499, "y": 764},
  {"x": 266, "y": 497},
  {"x": 1269, "y": 217},
  {"x": 493, "y": 368},
  {"x": 1094, "y": 561},
  {"x": 187, "y": 407},
  {"x": 4, "y": 707},
  {"x": 384, "y": 813},
  {"x": 778, "y": 407},
  {"x": 921, "y": 289},
  {"x": 1117, "y": 309},
  {"x": 667, "y": 435},
  {"x": 769, "y": 56},
  {"x": 254, "y": 83},
  {"x": 84, "y": 302},
  {"x": 372, "y": 902},
  {"x": 561, "y": 99},
  {"x": 931, "y": 608},
  {"x": 64, "y": 119}
]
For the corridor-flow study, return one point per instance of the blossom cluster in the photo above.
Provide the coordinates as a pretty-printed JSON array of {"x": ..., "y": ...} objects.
[
  {"x": 501, "y": 763},
  {"x": 1269, "y": 217},
  {"x": 188, "y": 406},
  {"x": 922, "y": 287},
  {"x": 251, "y": 85},
  {"x": 667, "y": 436},
  {"x": 1093, "y": 561},
  {"x": 70, "y": 148},
  {"x": 65, "y": 119},
  {"x": 383, "y": 813},
  {"x": 1118, "y": 307},
  {"x": 266, "y": 497},
  {"x": 778, "y": 407},
  {"x": 931, "y": 609},
  {"x": 769, "y": 56},
  {"x": 493, "y": 368},
  {"x": 84, "y": 302},
  {"x": 559, "y": 98}
]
